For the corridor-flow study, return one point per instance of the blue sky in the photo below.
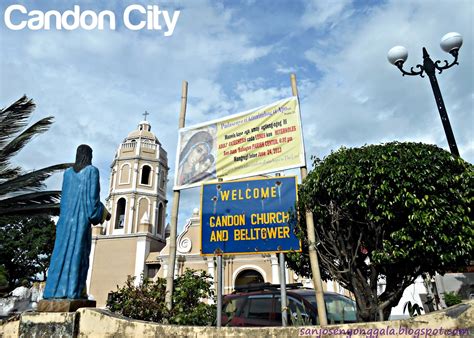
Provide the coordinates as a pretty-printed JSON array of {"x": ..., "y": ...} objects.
[{"x": 237, "y": 55}]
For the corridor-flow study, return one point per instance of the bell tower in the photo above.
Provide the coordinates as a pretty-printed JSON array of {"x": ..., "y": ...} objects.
[
  {"x": 137, "y": 203},
  {"x": 137, "y": 192}
]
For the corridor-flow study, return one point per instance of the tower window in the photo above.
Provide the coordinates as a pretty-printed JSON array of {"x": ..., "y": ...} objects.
[
  {"x": 162, "y": 179},
  {"x": 160, "y": 219},
  {"x": 120, "y": 214},
  {"x": 124, "y": 174},
  {"x": 146, "y": 170}
]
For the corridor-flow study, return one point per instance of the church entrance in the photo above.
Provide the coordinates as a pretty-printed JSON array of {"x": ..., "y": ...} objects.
[{"x": 248, "y": 276}]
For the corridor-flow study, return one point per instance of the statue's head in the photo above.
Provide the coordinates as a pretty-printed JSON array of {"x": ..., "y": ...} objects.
[{"x": 83, "y": 157}]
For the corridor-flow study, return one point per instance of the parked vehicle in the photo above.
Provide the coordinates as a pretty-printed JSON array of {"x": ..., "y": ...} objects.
[{"x": 260, "y": 305}]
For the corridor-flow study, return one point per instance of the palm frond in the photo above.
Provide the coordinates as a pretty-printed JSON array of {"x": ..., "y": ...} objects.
[
  {"x": 11, "y": 148},
  {"x": 31, "y": 181},
  {"x": 7, "y": 172},
  {"x": 47, "y": 197},
  {"x": 19, "y": 191},
  {"x": 32, "y": 203},
  {"x": 15, "y": 117},
  {"x": 29, "y": 210}
]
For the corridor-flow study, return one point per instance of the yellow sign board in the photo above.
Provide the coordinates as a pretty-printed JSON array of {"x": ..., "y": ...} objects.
[{"x": 259, "y": 141}]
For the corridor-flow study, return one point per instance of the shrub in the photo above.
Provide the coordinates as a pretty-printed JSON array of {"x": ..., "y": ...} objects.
[
  {"x": 146, "y": 301},
  {"x": 188, "y": 309},
  {"x": 452, "y": 298}
]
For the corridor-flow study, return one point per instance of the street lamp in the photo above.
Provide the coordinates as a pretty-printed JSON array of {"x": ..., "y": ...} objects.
[{"x": 450, "y": 43}]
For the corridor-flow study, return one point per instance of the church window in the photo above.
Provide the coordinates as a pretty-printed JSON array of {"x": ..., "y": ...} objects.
[
  {"x": 146, "y": 170},
  {"x": 120, "y": 214},
  {"x": 162, "y": 179},
  {"x": 160, "y": 218},
  {"x": 153, "y": 270},
  {"x": 143, "y": 208},
  {"x": 125, "y": 174}
]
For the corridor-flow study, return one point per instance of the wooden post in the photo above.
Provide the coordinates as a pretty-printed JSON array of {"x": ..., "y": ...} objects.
[
  {"x": 219, "y": 289},
  {"x": 313, "y": 257},
  {"x": 174, "y": 212},
  {"x": 283, "y": 302}
]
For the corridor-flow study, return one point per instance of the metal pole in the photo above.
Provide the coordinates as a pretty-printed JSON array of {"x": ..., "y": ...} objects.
[
  {"x": 219, "y": 290},
  {"x": 313, "y": 257},
  {"x": 284, "y": 305},
  {"x": 174, "y": 212},
  {"x": 430, "y": 70}
]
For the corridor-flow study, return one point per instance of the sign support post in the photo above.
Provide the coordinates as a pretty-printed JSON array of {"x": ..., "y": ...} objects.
[
  {"x": 174, "y": 212},
  {"x": 284, "y": 305},
  {"x": 313, "y": 257},
  {"x": 219, "y": 288}
]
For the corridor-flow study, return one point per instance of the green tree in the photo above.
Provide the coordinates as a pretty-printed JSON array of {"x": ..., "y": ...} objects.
[
  {"x": 392, "y": 212},
  {"x": 21, "y": 192},
  {"x": 26, "y": 245}
]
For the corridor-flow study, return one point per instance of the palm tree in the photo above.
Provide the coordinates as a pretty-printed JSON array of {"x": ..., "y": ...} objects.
[{"x": 21, "y": 193}]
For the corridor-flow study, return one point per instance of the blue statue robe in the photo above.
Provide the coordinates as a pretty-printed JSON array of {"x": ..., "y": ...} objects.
[{"x": 80, "y": 207}]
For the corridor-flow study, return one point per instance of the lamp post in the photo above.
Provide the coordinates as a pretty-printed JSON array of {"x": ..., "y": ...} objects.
[{"x": 450, "y": 43}]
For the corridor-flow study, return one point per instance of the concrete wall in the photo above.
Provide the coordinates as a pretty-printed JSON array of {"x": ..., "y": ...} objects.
[
  {"x": 114, "y": 259},
  {"x": 101, "y": 323}
]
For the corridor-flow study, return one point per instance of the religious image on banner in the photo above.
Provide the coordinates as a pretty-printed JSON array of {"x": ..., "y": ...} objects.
[
  {"x": 197, "y": 156},
  {"x": 256, "y": 142}
]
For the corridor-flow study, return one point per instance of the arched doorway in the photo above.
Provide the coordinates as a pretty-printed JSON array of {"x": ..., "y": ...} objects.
[{"x": 248, "y": 276}]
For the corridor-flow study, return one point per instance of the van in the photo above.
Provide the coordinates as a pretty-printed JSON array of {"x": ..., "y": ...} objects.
[{"x": 260, "y": 305}]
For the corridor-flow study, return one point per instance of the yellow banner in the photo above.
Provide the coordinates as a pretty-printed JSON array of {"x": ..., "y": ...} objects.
[{"x": 259, "y": 141}]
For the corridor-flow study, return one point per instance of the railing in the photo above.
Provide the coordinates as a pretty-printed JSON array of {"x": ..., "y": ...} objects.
[{"x": 129, "y": 145}]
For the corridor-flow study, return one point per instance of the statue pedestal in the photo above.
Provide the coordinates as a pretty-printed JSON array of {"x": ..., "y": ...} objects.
[{"x": 63, "y": 305}]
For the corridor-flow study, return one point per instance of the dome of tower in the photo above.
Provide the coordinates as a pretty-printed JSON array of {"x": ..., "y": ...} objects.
[{"x": 143, "y": 131}]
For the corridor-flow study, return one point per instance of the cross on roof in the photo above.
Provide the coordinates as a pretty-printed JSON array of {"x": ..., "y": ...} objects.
[{"x": 146, "y": 114}]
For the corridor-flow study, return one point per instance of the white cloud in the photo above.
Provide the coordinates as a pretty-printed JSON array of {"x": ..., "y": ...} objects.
[
  {"x": 363, "y": 99},
  {"x": 320, "y": 13},
  {"x": 285, "y": 70}
]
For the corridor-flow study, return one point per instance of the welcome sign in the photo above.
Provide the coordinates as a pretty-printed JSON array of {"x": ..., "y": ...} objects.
[{"x": 248, "y": 216}]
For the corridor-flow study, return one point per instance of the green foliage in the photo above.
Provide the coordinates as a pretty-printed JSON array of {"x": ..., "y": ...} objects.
[
  {"x": 147, "y": 300},
  {"x": 188, "y": 309},
  {"x": 21, "y": 193},
  {"x": 413, "y": 309},
  {"x": 394, "y": 210},
  {"x": 452, "y": 298},
  {"x": 3, "y": 279},
  {"x": 26, "y": 245}
]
